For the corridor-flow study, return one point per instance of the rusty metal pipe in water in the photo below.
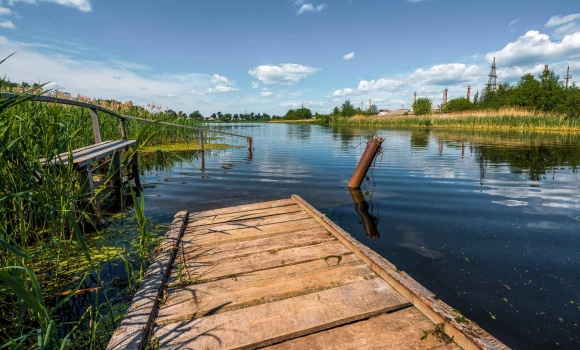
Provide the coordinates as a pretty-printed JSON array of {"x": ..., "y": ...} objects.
[{"x": 373, "y": 147}]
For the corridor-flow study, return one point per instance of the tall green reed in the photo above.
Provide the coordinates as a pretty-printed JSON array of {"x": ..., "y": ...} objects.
[{"x": 45, "y": 219}]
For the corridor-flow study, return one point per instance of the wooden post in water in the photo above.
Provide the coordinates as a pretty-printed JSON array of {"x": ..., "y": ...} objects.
[
  {"x": 249, "y": 148},
  {"x": 201, "y": 145},
  {"x": 365, "y": 162},
  {"x": 96, "y": 127}
]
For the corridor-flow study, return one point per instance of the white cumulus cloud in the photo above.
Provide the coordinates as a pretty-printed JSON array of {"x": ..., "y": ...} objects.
[
  {"x": 255, "y": 84},
  {"x": 218, "y": 79},
  {"x": 5, "y": 11},
  {"x": 559, "y": 20},
  {"x": 348, "y": 56},
  {"x": 81, "y": 5},
  {"x": 535, "y": 47},
  {"x": 308, "y": 7},
  {"x": 7, "y": 24},
  {"x": 282, "y": 75},
  {"x": 266, "y": 93},
  {"x": 308, "y": 104},
  {"x": 219, "y": 89}
]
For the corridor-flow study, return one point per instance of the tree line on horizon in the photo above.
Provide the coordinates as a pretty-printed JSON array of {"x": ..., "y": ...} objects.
[{"x": 545, "y": 93}]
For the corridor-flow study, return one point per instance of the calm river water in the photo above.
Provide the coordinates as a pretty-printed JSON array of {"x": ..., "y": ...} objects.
[{"x": 487, "y": 221}]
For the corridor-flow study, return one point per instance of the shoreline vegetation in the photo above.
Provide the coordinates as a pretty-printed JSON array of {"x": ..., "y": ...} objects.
[
  {"x": 67, "y": 273},
  {"x": 541, "y": 103},
  {"x": 511, "y": 119}
]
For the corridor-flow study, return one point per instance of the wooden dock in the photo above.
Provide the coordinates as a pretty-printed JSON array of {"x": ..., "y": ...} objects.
[{"x": 280, "y": 275}]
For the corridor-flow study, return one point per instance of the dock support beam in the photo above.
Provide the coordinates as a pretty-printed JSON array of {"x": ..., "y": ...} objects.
[
  {"x": 123, "y": 130},
  {"x": 96, "y": 127},
  {"x": 365, "y": 162},
  {"x": 201, "y": 141}
]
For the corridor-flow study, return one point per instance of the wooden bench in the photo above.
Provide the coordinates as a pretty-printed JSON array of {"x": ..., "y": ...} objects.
[{"x": 82, "y": 159}]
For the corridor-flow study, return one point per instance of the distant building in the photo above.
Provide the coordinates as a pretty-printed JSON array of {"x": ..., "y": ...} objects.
[{"x": 383, "y": 112}]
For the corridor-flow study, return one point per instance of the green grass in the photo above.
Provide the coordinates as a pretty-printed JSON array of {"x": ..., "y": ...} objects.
[
  {"x": 50, "y": 240},
  {"x": 477, "y": 121}
]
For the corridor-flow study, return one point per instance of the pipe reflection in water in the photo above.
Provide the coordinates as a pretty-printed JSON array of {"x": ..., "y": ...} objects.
[{"x": 361, "y": 206}]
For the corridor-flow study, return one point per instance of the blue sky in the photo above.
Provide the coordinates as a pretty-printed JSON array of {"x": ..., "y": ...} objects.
[{"x": 269, "y": 56}]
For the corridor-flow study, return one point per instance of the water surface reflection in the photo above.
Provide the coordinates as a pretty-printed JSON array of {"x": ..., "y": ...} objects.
[{"x": 484, "y": 220}]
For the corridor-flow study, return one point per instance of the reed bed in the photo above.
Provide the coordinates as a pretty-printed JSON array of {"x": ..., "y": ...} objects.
[
  {"x": 491, "y": 120},
  {"x": 64, "y": 282}
]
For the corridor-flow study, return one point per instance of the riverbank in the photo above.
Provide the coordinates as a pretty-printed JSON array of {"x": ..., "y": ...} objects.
[
  {"x": 184, "y": 146},
  {"x": 502, "y": 120}
]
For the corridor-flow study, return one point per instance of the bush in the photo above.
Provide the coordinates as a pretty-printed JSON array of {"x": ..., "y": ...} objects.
[
  {"x": 422, "y": 106},
  {"x": 457, "y": 105}
]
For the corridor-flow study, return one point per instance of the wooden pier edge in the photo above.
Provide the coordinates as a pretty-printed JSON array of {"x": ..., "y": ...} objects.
[
  {"x": 133, "y": 332},
  {"x": 466, "y": 334}
]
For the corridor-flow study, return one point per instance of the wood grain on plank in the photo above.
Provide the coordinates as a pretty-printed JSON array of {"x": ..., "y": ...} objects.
[
  {"x": 238, "y": 216},
  {"x": 188, "y": 303},
  {"x": 242, "y": 208},
  {"x": 248, "y": 223},
  {"x": 279, "y": 273},
  {"x": 399, "y": 330},
  {"x": 271, "y": 243},
  {"x": 215, "y": 237},
  {"x": 267, "y": 324},
  {"x": 135, "y": 325},
  {"x": 99, "y": 154},
  {"x": 63, "y": 157},
  {"x": 201, "y": 270}
]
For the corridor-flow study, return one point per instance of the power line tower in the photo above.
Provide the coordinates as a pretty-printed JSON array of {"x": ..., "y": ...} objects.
[
  {"x": 492, "y": 82},
  {"x": 568, "y": 77}
]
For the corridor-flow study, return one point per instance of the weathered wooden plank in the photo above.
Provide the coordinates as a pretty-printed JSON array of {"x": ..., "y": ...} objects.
[
  {"x": 256, "y": 222},
  {"x": 242, "y": 208},
  {"x": 467, "y": 335},
  {"x": 99, "y": 154},
  {"x": 64, "y": 156},
  {"x": 242, "y": 280},
  {"x": 399, "y": 330},
  {"x": 136, "y": 324},
  {"x": 237, "y": 249},
  {"x": 188, "y": 303},
  {"x": 215, "y": 237},
  {"x": 200, "y": 270},
  {"x": 80, "y": 153},
  {"x": 236, "y": 216},
  {"x": 270, "y": 323}
]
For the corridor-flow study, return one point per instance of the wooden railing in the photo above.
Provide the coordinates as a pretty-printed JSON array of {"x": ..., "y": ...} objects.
[{"x": 94, "y": 110}]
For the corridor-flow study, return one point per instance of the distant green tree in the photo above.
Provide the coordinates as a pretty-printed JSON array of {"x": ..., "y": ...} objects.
[
  {"x": 213, "y": 116},
  {"x": 195, "y": 115},
  {"x": 171, "y": 113},
  {"x": 422, "y": 106},
  {"x": 374, "y": 109},
  {"x": 291, "y": 115},
  {"x": 304, "y": 113},
  {"x": 457, "y": 105},
  {"x": 336, "y": 111},
  {"x": 571, "y": 102},
  {"x": 347, "y": 109}
]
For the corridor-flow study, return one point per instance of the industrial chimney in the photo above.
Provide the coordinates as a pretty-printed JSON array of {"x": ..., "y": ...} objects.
[
  {"x": 445, "y": 96},
  {"x": 469, "y": 93},
  {"x": 415, "y": 97}
]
